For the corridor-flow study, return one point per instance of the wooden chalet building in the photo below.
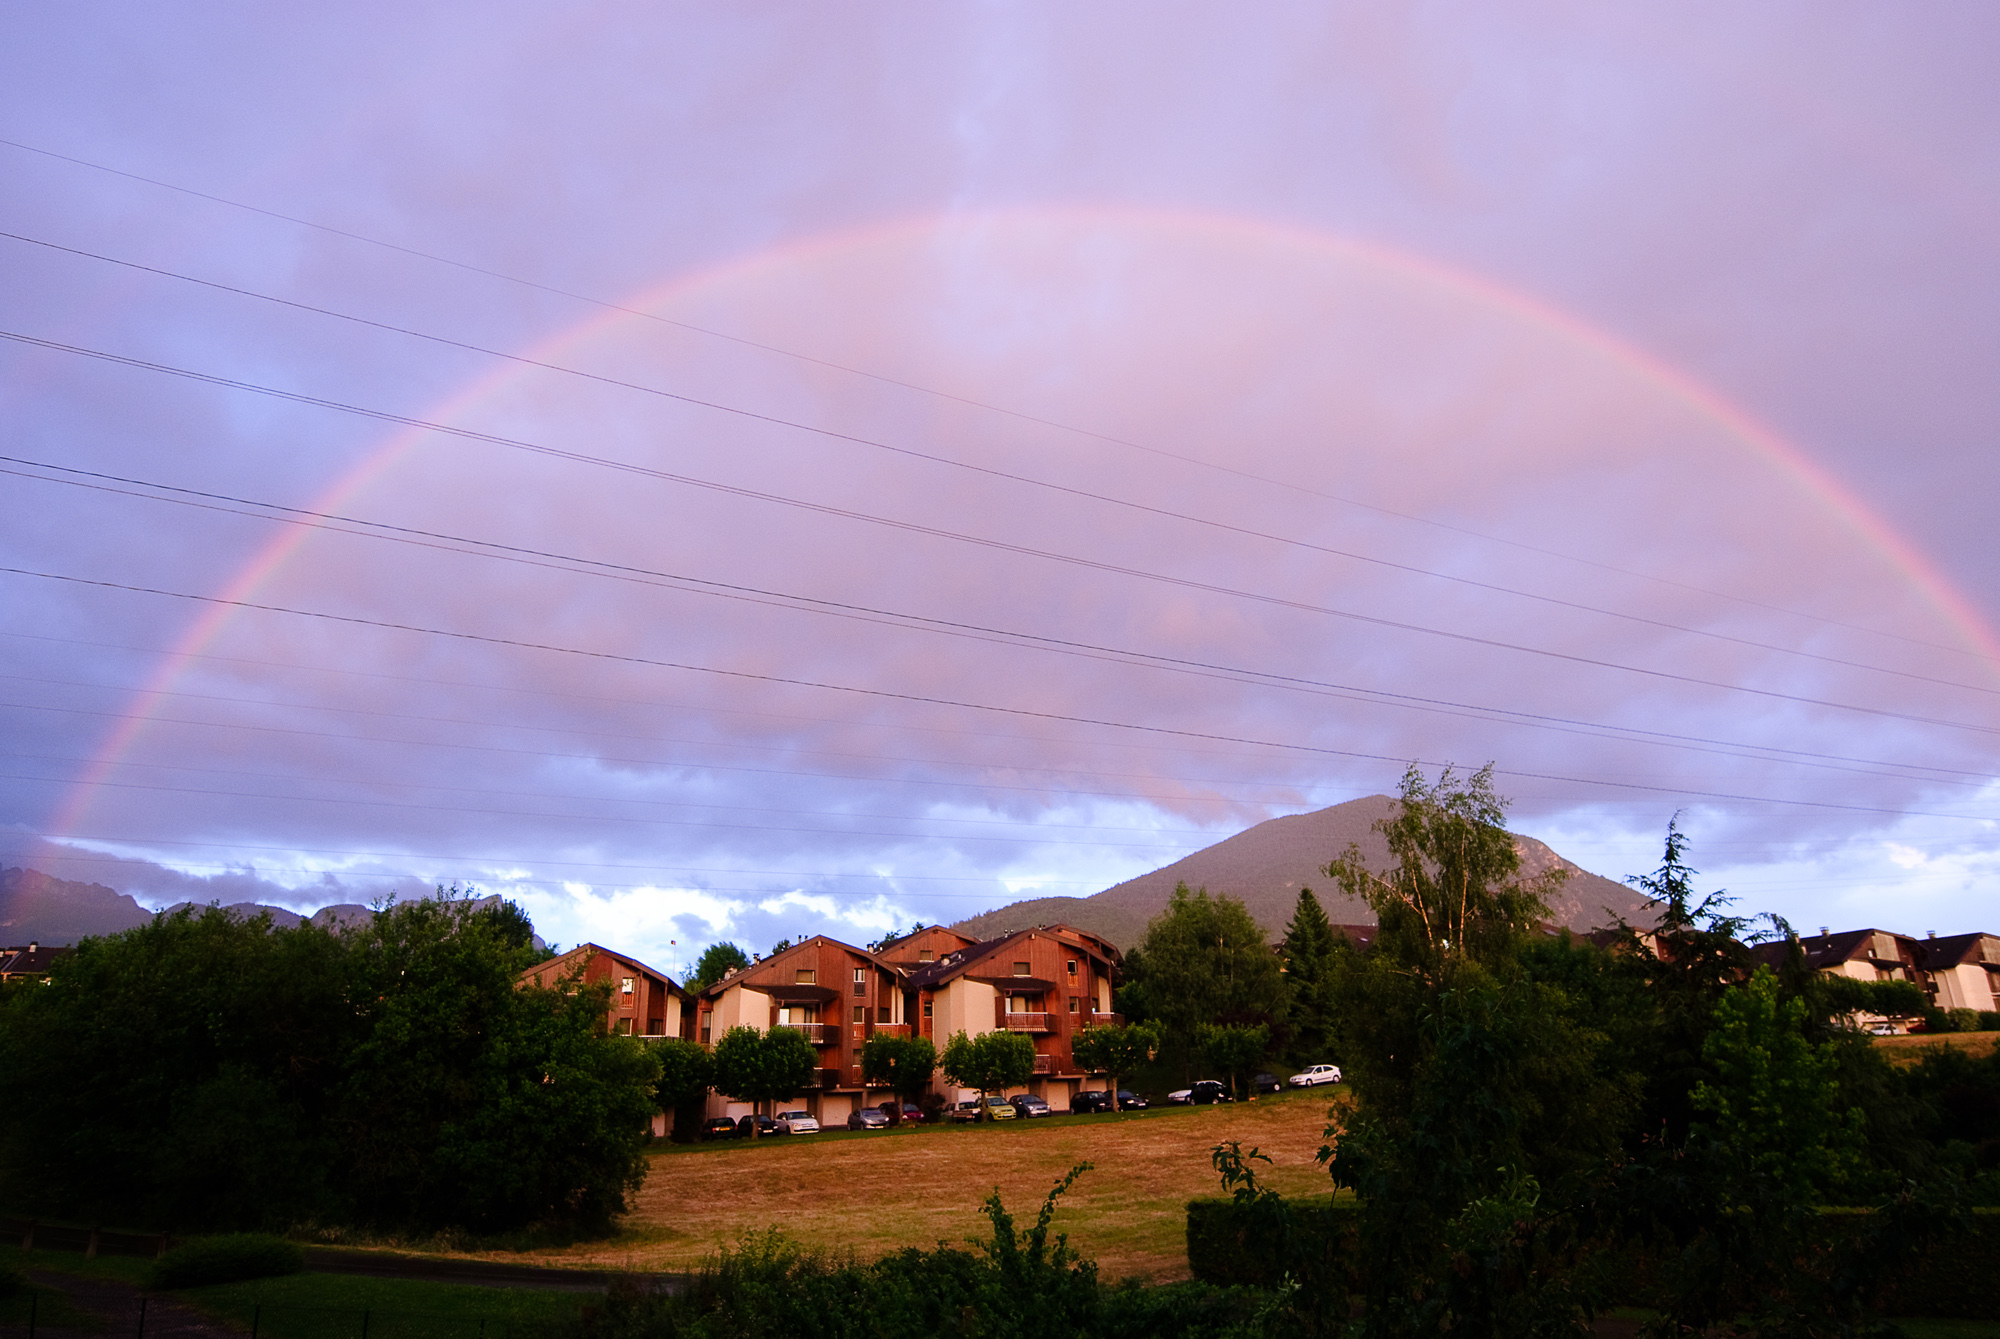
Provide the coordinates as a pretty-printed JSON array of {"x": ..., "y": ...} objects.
[
  {"x": 1044, "y": 983},
  {"x": 836, "y": 994},
  {"x": 1963, "y": 971},
  {"x": 644, "y": 1002}
]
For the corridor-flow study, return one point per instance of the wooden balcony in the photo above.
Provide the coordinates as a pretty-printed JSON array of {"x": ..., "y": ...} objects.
[
  {"x": 889, "y": 1030},
  {"x": 1028, "y": 1022},
  {"x": 830, "y": 1078},
  {"x": 1096, "y": 1019},
  {"x": 819, "y": 1034},
  {"x": 1045, "y": 1064}
]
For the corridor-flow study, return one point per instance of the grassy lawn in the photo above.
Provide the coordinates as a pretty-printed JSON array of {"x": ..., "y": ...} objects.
[
  {"x": 332, "y": 1306},
  {"x": 873, "y": 1192},
  {"x": 1906, "y": 1049}
]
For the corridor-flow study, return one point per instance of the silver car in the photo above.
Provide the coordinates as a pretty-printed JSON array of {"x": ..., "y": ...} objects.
[
  {"x": 798, "y": 1122},
  {"x": 1317, "y": 1075}
]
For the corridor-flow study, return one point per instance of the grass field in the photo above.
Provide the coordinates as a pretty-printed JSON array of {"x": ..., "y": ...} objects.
[
  {"x": 875, "y": 1192},
  {"x": 1906, "y": 1049}
]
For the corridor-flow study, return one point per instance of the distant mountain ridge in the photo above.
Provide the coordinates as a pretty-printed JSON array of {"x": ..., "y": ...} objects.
[
  {"x": 1266, "y": 865},
  {"x": 41, "y": 908}
]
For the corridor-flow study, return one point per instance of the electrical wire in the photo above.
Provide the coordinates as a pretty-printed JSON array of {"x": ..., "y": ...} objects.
[{"x": 1020, "y": 415}]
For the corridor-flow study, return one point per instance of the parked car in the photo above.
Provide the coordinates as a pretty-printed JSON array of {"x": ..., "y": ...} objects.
[
  {"x": 1202, "y": 1094},
  {"x": 1266, "y": 1083},
  {"x": 1317, "y": 1075},
  {"x": 798, "y": 1122},
  {"x": 758, "y": 1126},
  {"x": 1027, "y": 1104},
  {"x": 962, "y": 1112},
  {"x": 867, "y": 1118},
  {"x": 999, "y": 1108},
  {"x": 718, "y": 1127},
  {"x": 1099, "y": 1099},
  {"x": 912, "y": 1114}
]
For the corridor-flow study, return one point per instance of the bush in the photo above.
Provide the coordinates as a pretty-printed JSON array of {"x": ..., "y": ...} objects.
[
  {"x": 230, "y": 1259},
  {"x": 1234, "y": 1243},
  {"x": 1964, "y": 1020},
  {"x": 11, "y": 1281},
  {"x": 1989, "y": 1020}
]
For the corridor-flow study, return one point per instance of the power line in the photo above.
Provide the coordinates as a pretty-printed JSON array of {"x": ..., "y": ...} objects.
[
  {"x": 970, "y": 402},
  {"x": 991, "y": 472},
  {"x": 917, "y": 698},
  {"x": 896, "y": 618},
  {"x": 981, "y": 541}
]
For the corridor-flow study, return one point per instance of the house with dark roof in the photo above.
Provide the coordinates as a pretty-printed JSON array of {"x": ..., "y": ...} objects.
[
  {"x": 1962, "y": 971},
  {"x": 29, "y": 961}
]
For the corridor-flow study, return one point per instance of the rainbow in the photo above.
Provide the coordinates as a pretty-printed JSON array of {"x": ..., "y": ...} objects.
[{"x": 1825, "y": 490}]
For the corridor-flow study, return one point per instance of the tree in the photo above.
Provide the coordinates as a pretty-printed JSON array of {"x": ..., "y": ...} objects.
[
  {"x": 687, "y": 1071},
  {"x": 894, "y": 937},
  {"x": 1207, "y": 961},
  {"x": 1115, "y": 1050},
  {"x": 1773, "y": 1099},
  {"x": 716, "y": 962},
  {"x": 990, "y": 1062},
  {"x": 903, "y": 1065},
  {"x": 764, "y": 1067},
  {"x": 1236, "y": 1049},
  {"x": 1307, "y": 951}
]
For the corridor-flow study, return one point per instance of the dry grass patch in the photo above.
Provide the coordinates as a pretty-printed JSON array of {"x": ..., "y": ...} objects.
[
  {"x": 1905, "y": 1050},
  {"x": 876, "y": 1193}
]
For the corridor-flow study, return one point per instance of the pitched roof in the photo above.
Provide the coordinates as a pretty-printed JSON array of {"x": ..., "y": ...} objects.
[
  {"x": 741, "y": 976},
  {"x": 965, "y": 961},
  {"x": 592, "y": 950},
  {"x": 1956, "y": 950}
]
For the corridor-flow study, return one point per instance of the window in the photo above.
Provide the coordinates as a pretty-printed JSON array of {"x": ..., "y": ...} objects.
[
  {"x": 926, "y": 955},
  {"x": 861, "y": 980},
  {"x": 704, "y": 1036},
  {"x": 1075, "y": 1005},
  {"x": 1020, "y": 969},
  {"x": 625, "y": 985},
  {"x": 624, "y": 1027},
  {"x": 804, "y": 976},
  {"x": 860, "y": 1013},
  {"x": 927, "y": 1008},
  {"x": 1072, "y": 966},
  {"x": 882, "y": 1013},
  {"x": 861, "y": 974}
]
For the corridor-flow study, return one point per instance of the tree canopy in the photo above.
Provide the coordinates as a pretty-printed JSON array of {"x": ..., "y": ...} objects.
[
  {"x": 716, "y": 962},
  {"x": 760, "y": 1067},
  {"x": 990, "y": 1062},
  {"x": 903, "y": 1065},
  {"x": 1205, "y": 961},
  {"x": 210, "y": 1071}
]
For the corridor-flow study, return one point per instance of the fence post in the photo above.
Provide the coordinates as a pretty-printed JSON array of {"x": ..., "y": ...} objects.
[
  {"x": 90, "y": 1248},
  {"x": 256, "y": 1319},
  {"x": 34, "y": 1304},
  {"x": 142, "y": 1316},
  {"x": 28, "y": 1236},
  {"x": 364, "y": 1324}
]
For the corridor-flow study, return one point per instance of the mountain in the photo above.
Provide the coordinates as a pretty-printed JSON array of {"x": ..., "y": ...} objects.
[
  {"x": 1265, "y": 866},
  {"x": 39, "y": 907}
]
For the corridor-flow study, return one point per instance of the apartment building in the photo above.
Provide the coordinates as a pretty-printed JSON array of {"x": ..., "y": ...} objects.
[{"x": 644, "y": 1002}]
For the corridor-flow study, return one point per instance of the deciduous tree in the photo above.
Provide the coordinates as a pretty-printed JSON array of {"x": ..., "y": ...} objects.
[
  {"x": 990, "y": 1062},
  {"x": 1207, "y": 962},
  {"x": 1114, "y": 1050},
  {"x": 764, "y": 1067}
]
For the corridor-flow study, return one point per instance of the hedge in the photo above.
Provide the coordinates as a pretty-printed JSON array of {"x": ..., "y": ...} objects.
[
  {"x": 227, "y": 1259},
  {"x": 1233, "y": 1244}
]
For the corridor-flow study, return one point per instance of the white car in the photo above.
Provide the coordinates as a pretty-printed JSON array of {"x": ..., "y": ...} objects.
[
  {"x": 1317, "y": 1075},
  {"x": 797, "y": 1122}
]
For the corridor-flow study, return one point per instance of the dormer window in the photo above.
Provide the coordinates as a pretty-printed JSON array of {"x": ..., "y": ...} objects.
[
  {"x": 805, "y": 976},
  {"x": 1020, "y": 969}
]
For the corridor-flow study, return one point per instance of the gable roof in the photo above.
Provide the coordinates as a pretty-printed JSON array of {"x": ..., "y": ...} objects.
[
  {"x": 968, "y": 962},
  {"x": 592, "y": 950},
  {"x": 746, "y": 976},
  {"x": 1957, "y": 950}
]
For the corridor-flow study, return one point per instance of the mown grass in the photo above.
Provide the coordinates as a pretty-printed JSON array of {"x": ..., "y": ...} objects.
[
  {"x": 51, "y": 1310},
  {"x": 872, "y": 1192},
  {"x": 1905, "y": 1050}
]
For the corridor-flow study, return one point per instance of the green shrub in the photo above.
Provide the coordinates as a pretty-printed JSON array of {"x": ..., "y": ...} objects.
[
  {"x": 11, "y": 1281},
  {"x": 1964, "y": 1020},
  {"x": 228, "y": 1259},
  {"x": 1233, "y": 1243},
  {"x": 1989, "y": 1020}
]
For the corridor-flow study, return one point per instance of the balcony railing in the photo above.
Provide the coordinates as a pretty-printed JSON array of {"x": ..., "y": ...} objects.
[
  {"x": 816, "y": 1033},
  {"x": 889, "y": 1030},
  {"x": 830, "y": 1078},
  {"x": 1027, "y": 1022},
  {"x": 1045, "y": 1064},
  {"x": 1097, "y": 1019}
]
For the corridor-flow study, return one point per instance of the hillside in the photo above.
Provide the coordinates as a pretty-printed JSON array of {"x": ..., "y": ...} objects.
[
  {"x": 40, "y": 907},
  {"x": 1265, "y": 866}
]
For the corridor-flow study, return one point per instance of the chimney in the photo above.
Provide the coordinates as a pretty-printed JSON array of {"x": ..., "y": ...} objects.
[
  {"x": 34, "y": 947},
  {"x": 1823, "y": 932},
  {"x": 1930, "y": 934}
]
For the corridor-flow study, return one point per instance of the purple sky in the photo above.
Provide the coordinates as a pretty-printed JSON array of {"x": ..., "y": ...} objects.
[{"x": 804, "y": 469}]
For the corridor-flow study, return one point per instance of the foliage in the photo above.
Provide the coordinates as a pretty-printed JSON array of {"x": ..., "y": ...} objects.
[
  {"x": 1205, "y": 961},
  {"x": 716, "y": 962},
  {"x": 687, "y": 1072},
  {"x": 388, "y": 1075},
  {"x": 1308, "y": 951},
  {"x": 226, "y": 1259},
  {"x": 903, "y": 1065},
  {"x": 1022, "y": 1282},
  {"x": 989, "y": 1062},
  {"x": 1773, "y": 1098},
  {"x": 1114, "y": 1050},
  {"x": 1235, "y": 1050},
  {"x": 760, "y": 1067}
]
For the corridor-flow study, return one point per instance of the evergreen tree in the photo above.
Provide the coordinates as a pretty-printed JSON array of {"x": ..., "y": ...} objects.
[
  {"x": 1307, "y": 951},
  {"x": 1207, "y": 962}
]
